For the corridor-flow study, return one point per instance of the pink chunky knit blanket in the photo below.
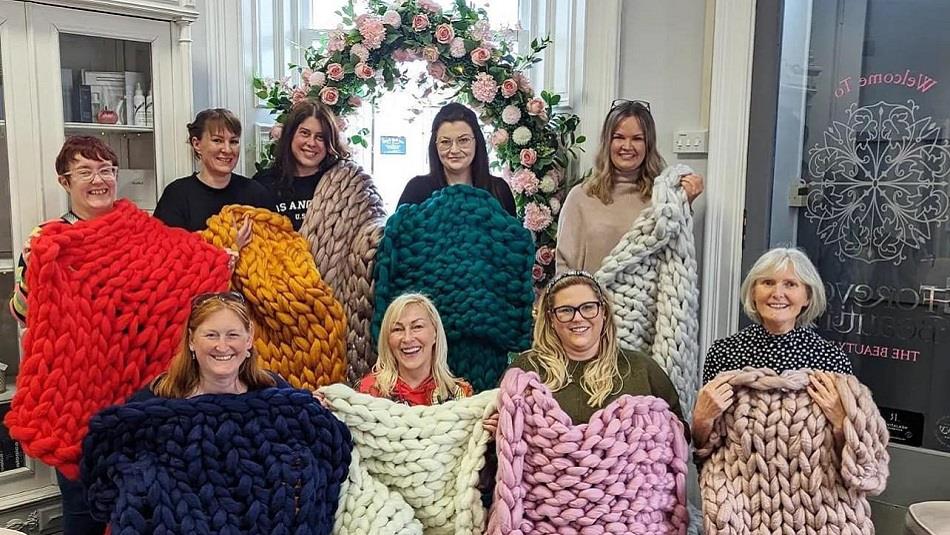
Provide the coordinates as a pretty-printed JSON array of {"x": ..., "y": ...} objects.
[
  {"x": 622, "y": 472},
  {"x": 772, "y": 465}
]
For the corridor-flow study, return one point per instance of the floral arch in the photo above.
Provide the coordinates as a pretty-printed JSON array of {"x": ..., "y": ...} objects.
[{"x": 533, "y": 144}]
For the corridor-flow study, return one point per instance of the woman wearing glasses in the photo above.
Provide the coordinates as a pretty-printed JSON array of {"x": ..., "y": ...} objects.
[
  {"x": 216, "y": 354},
  {"x": 575, "y": 352},
  {"x": 457, "y": 155},
  {"x": 596, "y": 215},
  {"x": 215, "y": 138}
]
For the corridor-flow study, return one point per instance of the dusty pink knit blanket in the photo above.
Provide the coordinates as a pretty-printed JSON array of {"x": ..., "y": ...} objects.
[
  {"x": 622, "y": 472},
  {"x": 772, "y": 466}
]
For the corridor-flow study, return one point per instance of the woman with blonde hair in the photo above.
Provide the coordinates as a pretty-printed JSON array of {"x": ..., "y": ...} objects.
[
  {"x": 216, "y": 354},
  {"x": 412, "y": 366},
  {"x": 602, "y": 209},
  {"x": 575, "y": 352}
]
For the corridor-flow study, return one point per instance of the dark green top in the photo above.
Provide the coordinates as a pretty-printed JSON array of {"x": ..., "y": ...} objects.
[{"x": 640, "y": 376}]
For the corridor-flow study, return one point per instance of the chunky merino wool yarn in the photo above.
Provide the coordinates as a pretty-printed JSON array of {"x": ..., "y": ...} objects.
[
  {"x": 622, "y": 472},
  {"x": 108, "y": 302},
  {"x": 429, "y": 455},
  {"x": 652, "y": 280},
  {"x": 266, "y": 462},
  {"x": 771, "y": 465},
  {"x": 344, "y": 225},
  {"x": 301, "y": 327},
  {"x": 464, "y": 251}
]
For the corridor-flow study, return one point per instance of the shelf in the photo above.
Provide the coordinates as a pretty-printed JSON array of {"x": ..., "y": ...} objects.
[
  {"x": 7, "y": 395},
  {"x": 7, "y": 265},
  {"x": 98, "y": 127}
]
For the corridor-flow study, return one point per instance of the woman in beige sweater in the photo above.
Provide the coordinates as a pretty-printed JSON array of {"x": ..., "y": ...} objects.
[{"x": 597, "y": 214}]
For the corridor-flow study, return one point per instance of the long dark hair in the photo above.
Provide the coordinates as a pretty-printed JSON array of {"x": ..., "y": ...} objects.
[
  {"x": 450, "y": 113},
  {"x": 284, "y": 163}
]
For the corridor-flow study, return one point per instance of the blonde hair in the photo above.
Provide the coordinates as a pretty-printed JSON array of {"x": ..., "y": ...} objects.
[
  {"x": 386, "y": 368},
  {"x": 601, "y": 182},
  {"x": 601, "y": 375},
  {"x": 184, "y": 374},
  {"x": 775, "y": 260}
]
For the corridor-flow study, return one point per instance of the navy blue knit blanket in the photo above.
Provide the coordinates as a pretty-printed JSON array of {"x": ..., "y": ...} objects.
[
  {"x": 474, "y": 260},
  {"x": 269, "y": 462}
]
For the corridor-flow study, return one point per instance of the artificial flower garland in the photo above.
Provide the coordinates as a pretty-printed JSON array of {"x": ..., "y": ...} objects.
[{"x": 533, "y": 143}]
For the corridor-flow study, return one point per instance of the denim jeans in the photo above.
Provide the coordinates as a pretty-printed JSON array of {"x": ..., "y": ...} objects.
[{"x": 76, "y": 517}]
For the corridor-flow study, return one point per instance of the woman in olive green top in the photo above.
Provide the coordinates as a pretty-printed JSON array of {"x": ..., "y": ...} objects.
[{"x": 575, "y": 352}]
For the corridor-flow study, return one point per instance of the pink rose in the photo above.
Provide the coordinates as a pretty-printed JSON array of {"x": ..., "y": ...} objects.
[
  {"x": 545, "y": 255},
  {"x": 430, "y": 53},
  {"x": 499, "y": 137},
  {"x": 299, "y": 95},
  {"x": 537, "y": 272},
  {"x": 528, "y": 157},
  {"x": 457, "y": 48},
  {"x": 437, "y": 70},
  {"x": 536, "y": 106},
  {"x": 318, "y": 79},
  {"x": 276, "y": 131},
  {"x": 364, "y": 71},
  {"x": 420, "y": 22},
  {"x": 509, "y": 87},
  {"x": 335, "y": 71},
  {"x": 444, "y": 33},
  {"x": 355, "y": 101},
  {"x": 329, "y": 95},
  {"x": 336, "y": 41},
  {"x": 480, "y": 56}
]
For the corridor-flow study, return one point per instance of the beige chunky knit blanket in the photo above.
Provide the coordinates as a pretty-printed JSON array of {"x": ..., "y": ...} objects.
[
  {"x": 344, "y": 225},
  {"x": 771, "y": 465},
  {"x": 426, "y": 459}
]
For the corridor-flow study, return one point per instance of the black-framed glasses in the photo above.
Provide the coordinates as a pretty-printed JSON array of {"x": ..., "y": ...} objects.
[
  {"x": 234, "y": 297},
  {"x": 623, "y": 101},
  {"x": 566, "y": 313},
  {"x": 85, "y": 174}
]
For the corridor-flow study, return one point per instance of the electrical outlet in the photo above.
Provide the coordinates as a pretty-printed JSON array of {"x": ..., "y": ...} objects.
[{"x": 690, "y": 142}]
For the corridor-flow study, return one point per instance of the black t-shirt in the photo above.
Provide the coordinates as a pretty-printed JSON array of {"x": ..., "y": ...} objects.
[
  {"x": 422, "y": 187},
  {"x": 145, "y": 393},
  {"x": 188, "y": 202},
  {"x": 292, "y": 203}
]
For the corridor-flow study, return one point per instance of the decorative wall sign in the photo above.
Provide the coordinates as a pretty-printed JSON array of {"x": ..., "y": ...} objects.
[{"x": 878, "y": 182}]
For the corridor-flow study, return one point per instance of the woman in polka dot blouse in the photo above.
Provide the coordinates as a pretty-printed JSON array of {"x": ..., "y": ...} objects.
[{"x": 783, "y": 294}]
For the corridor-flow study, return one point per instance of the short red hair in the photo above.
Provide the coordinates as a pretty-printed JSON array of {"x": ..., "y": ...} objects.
[{"x": 89, "y": 147}]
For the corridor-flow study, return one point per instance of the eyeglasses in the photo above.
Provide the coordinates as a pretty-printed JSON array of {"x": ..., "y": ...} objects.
[
  {"x": 622, "y": 101},
  {"x": 84, "y": 174},
  {"x": 234, "y": 297},
  {"x": 463, "y": 142},
  {"x": 566, "y": 313}
]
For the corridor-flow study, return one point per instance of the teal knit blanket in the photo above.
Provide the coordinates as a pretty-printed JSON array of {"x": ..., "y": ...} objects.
[{"x": 474, "y": 261}]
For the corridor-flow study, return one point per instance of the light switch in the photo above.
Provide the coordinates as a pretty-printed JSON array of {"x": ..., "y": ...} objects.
[{"x": 690, "y": 141}]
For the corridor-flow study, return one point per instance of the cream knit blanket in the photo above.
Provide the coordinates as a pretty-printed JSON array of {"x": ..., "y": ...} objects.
[
  {"x": 652, "y": 279},
  {"x": 772, "y": 466},
  {"x": 427, "y": 457},
  {"x": 344, "y": 225}
]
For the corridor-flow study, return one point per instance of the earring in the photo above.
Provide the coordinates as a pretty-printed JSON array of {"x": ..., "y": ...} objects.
[
  {"x": 193, "y": 356},
  {"x": 248, "y": 355}
]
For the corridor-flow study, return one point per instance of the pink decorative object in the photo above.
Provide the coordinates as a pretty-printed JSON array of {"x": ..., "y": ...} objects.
[
  {"x": 509, "y": 87},
  {"x": 329, "y": 95},
  {"x": 364, "y": 71},
  {"x": 622, "y": 472},
  {"x": 480, "y": 56},
  {"x": 420, "y": 22},
  {"x": 537, "y": 217},
  {"x": 528, "y": 157},
  {"x": 335, "y": 72},
  {"x": 373, "y": 32},
  {"x": 524, "y": 181},
  {"x": 444, "y": 33},
  {"x": 484, "y": 88},
  {"x": 457, "y": 48}
]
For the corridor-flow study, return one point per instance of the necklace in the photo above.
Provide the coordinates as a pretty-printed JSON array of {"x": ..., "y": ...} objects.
[{"x": 572, "y": 371}]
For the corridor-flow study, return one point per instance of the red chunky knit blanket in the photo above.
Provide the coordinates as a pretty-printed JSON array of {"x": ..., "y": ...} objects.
[{"x": 107, "y": 304}]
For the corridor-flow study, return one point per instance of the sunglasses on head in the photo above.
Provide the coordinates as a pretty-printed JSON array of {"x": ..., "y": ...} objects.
[
  {"x": 623, "y": 102},
  {"x": 234, "y": 297}
]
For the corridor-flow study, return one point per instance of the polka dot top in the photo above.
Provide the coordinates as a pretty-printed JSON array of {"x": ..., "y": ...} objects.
[{"x": 753, "y": 346}]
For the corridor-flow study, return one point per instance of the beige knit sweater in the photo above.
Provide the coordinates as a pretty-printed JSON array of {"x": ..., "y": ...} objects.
[
  {"x": 588, "y": 229},
  {"x": 771, "y": 465}
]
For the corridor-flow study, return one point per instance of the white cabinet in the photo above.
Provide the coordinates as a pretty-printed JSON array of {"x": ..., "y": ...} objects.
[{"x": 67, "y": 68}]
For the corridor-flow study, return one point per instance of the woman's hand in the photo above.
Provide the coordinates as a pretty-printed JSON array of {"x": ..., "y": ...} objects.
[
  {"x": 491, "y": 424},
  {"x": 693, "y": 186},
  {"x": 712, "y": 401},
  {"x": 244, "y": 233},
  {"x": 824, "y": 392},
  {"x": 322, "y": 400}
]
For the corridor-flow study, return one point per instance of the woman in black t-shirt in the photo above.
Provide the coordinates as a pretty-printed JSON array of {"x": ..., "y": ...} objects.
[
  {"x": 188, "y": 202},
  {"x": 308, "y": 146},
  {"x": 457, "y": 155}
]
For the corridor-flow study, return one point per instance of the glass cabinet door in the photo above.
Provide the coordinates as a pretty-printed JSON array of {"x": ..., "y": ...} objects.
[{"x": 111, "y": 72}]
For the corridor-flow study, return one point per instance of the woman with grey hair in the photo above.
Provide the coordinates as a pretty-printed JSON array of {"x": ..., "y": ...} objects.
[{"x": 783, "y": 294}]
